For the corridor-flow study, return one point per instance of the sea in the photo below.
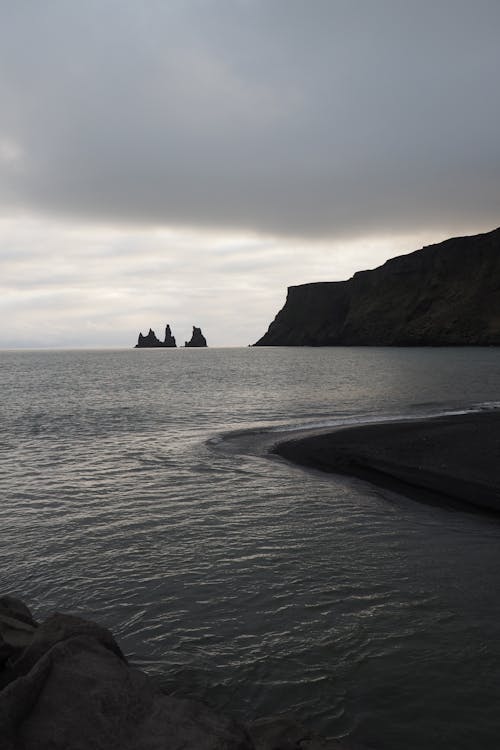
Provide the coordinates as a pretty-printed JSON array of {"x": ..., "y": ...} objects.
[{"x": 138, "y": 490}]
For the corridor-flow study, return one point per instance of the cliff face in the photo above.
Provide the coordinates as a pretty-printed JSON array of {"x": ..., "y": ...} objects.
[{"x": 443, "y": 295}]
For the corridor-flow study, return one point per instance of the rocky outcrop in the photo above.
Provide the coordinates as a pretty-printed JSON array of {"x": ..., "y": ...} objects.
[
  {"x": 169, "y": 340},
  {"x": 66, "y": 685},
  {"x": 151, "y": 340},
  {"x": 442, "y": 295},
  {"x": 71, "y": 687},
  {"x": 197, "y": 338}
]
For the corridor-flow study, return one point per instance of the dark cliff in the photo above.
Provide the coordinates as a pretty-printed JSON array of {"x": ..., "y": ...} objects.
[{"x": 443, "y": 295}]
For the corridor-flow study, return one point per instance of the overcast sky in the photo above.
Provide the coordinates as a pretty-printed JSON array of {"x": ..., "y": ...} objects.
[{"x": 185, "y": 161}]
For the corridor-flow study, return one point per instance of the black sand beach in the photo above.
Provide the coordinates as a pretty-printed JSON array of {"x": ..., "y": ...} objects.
[{"x": 452, "y": 461}]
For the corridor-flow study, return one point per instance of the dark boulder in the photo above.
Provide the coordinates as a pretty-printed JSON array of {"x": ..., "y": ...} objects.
[
  {"x": 72, "y": 688},
  {"x": 197, "y": 339},
  {"x": 17, "y": 629},
  {"x": 66, "y": 684}
]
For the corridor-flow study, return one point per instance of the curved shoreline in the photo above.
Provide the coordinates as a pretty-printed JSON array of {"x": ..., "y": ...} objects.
[{"x": 450, "y": 461}]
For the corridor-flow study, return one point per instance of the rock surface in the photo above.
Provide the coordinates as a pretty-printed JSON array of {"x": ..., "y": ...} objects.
[
  {"x": 152, "y": 341},
  {"x": 169, "y": 340},
  {"x": 65, "y": 685},
  {"x": 197, "y": 338},
  {"x": 442, "y": 295}
]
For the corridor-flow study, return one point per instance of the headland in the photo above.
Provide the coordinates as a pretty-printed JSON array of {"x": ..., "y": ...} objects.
[{"x": 446, "y": 294}]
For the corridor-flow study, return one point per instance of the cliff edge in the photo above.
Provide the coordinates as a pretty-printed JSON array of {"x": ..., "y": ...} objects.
[{"x": 446, "y": 294}]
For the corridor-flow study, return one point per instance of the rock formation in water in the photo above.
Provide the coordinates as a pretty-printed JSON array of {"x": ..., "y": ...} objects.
[
  {"x": 442, "y": 295},
  {"x": 197, "y": 339},
  {"x": 169, "y": 340},
  {"x": 151, "y": 340},
  {"x": 65, "y": 683}
]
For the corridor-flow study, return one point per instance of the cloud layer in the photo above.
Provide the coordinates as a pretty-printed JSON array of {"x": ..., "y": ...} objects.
[
  {"x": 287, "y": 117},
  {"x": 185, "y": 161}
]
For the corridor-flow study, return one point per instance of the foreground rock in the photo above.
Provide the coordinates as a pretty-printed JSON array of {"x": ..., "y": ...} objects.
[
  {"x": 71, "y": 688},
  {"x": 197, "y": 338},
  {"x": 443, "y": 295},
  {"x": 152, "y": 341},
  {"x": 67, "y": 686}
]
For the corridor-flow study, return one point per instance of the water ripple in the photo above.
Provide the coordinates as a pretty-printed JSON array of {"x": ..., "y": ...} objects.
[{"x": 133, "y": 497}]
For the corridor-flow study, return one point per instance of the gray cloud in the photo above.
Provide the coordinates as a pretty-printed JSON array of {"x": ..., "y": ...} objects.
[
  {"x": 186, "y": 161},
  {"x": 328, "y": 118}
]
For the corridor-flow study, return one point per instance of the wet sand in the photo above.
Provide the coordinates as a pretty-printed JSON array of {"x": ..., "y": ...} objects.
[{"x": 452, "y": 461}]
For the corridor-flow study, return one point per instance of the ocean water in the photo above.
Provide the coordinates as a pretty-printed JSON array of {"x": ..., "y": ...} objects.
[{"x": 137, "y": 490}]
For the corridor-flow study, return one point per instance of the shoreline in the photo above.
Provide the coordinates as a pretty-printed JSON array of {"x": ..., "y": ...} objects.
[{"x": 449, "y": 461}]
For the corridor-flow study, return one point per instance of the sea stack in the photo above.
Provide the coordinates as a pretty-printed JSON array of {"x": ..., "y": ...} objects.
[
  {"x": 152, "y": 341},
  {"x": 197, "y": 338},
  {"x": 169, "y": 339}
]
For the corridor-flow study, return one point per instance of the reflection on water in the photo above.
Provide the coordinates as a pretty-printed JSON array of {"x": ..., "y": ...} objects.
[{"x": 136, "y": 490}]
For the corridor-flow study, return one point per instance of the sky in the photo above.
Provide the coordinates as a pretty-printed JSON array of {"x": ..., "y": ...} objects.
[{"x": 185, "y": 161}]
